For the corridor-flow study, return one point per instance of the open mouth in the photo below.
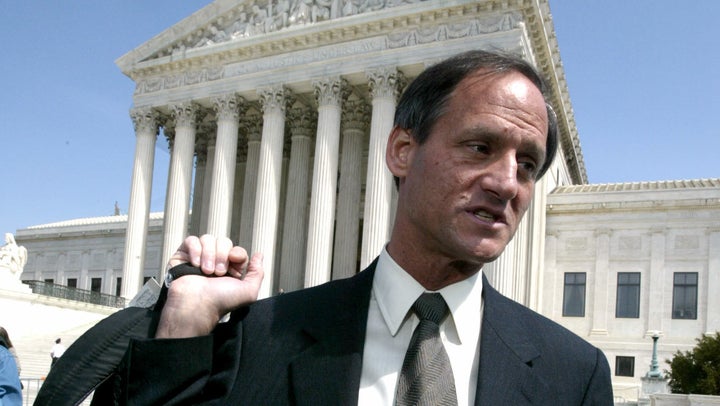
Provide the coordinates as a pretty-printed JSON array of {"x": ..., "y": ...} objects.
[{"x": 483, "y": 215}]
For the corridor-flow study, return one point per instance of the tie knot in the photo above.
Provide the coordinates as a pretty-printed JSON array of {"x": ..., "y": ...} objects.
[{"x": 431, "y": 306}]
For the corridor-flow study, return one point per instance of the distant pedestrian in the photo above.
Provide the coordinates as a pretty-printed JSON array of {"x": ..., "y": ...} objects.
[
  {"x": 5, "y": 336},
  {"x": 9, "y": 377},
  {"x": 57, "y": 351}
]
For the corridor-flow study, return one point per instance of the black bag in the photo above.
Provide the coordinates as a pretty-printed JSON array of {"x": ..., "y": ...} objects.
[{"x": 91, "y": 362}]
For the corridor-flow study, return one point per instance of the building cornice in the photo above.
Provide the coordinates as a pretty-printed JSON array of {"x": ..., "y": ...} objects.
[{"x": 698, "y": 194}]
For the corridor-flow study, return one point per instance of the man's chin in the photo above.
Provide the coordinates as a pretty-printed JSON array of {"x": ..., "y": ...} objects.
[{"x": 488, "y": 254}]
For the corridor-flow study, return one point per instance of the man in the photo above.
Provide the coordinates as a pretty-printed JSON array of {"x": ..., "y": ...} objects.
[
  {"x": 472, "y": 135},
  {"x": 58, "y": 349}
]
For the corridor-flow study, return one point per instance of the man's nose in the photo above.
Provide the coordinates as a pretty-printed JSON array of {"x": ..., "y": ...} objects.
[{"x": 500, "y": 180}]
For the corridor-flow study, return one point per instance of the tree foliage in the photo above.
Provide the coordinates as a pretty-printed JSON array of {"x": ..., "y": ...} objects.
[{"x": 697, "y": 371}]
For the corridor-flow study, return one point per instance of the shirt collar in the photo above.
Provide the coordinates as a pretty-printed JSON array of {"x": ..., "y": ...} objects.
[{"x": 395, "y": 291}]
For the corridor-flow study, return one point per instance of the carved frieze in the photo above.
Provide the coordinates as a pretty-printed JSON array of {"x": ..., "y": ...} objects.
[{"x": 396, "y": 39}]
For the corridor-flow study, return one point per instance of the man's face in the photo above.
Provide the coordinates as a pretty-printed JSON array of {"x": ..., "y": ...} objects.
[{"x": 464, "y": 191}]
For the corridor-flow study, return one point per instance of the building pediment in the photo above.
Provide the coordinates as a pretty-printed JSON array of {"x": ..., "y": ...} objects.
[{"x": 256, "y": 28}]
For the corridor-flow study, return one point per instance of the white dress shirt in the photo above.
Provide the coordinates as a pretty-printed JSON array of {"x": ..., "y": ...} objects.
[{"x": 391, "y": 323}]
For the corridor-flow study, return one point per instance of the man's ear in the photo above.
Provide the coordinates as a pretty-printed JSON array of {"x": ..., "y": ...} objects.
[{"x": 399, "y": 151}]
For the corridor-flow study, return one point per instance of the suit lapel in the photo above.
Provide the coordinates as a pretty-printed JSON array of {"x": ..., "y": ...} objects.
[
  {"x": 328, "y": 370},
  {"x": 505, "y": 374}
]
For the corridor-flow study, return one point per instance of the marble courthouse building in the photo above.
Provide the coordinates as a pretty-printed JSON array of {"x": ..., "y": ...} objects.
[
  {"x": 276, "y": 115},
  {"x": 283, "y": 110}
]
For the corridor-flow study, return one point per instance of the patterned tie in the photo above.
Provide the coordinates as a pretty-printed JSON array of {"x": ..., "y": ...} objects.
[{"x": 426, "y": 377}]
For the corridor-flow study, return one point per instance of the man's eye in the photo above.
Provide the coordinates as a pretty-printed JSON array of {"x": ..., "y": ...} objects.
[
  {"x": 482, "y": 148},
  {"x": 529, "y": 167}
]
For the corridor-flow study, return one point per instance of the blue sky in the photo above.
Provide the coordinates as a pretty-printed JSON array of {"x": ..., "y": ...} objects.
[{"x": 643, "y": 79}]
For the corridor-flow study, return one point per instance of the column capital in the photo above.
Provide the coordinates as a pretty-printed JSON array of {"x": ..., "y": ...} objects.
[
  {"x": 229, "y": 106},
  {"x": 185, "y": 114},
  {"x": 330, "y": 90},
  {"x": 145, "y": 119},
  {"x": 169, "y": 132},
  {"x": 386, "y": 82},
  {"x": 242, "y": 150},
  {"x": 275, "y": 98},
  {"x": 303, "y": 121},
  {"x": 356, "y": 114},
  {"x": 252, "y": 123},
  {"x": 201, "y": 156},
  {"x": 208, "y": 129}
]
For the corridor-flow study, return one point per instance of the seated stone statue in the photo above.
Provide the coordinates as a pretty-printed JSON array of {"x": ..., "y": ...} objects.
[{"x": 12, "y": 257}]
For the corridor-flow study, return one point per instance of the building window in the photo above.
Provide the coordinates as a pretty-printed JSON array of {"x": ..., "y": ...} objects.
[
  {"x": 96, "y": 284},
  {"x": 685, "y": 288},
  {"x": 625, "y": 366},
  {"x": 72, "y": 283},
  {"x": 574, "y": 294},
  {"x": 49, "y": 280},
  {"x": 118, "y": 287},
  {"x": 628, "y": 295}
]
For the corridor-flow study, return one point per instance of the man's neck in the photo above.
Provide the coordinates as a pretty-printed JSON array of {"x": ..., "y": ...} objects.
[{"x": 433, "y": 272}]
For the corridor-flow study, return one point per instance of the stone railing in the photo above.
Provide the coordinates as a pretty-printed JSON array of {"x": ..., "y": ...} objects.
[
  {"x": 683, "y": 400},
  {"x": 80, "y": 295}
]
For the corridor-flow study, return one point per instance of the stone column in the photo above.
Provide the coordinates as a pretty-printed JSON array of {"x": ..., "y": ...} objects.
[
  {"x": 207, "y": 181},
  {"x": 279, "y": 237},
  {"x": 240, "y": 162},
  {"x": 254, "y": 125},
  {"x": 177, "y": 203},
  {"x": 601, "y": 281},
  {"x": 656, "y": 304},
  {"x": 355, "y": 118},
  {"x": 199, "y": 185},
  {"x": 267, "y": 201},
  {"x": 223, "y": 180},
  {"x": 329, "y": 93},
  {"x": 500, "y": 269},
  {"x": 518, "y": 273},
  {"x": 145, "y": 121},
  {"x": 61, "y": 279},
  {"x": 83, "y": 280},
  {"x": 712, "y": 313},
  {"x": 385, "y": 85},
  {"x": 536, "y": 219},
  {"x": 292, "y": 261},
  {"x": 551, "y": 302},
  {"x": 109, "y": 277}
]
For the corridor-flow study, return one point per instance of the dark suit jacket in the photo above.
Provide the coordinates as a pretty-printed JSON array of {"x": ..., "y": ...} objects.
[{"x": 306, "y": 348}]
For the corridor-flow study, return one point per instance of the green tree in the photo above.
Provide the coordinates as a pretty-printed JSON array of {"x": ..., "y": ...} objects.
[{"x": 697, "y": 371}]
